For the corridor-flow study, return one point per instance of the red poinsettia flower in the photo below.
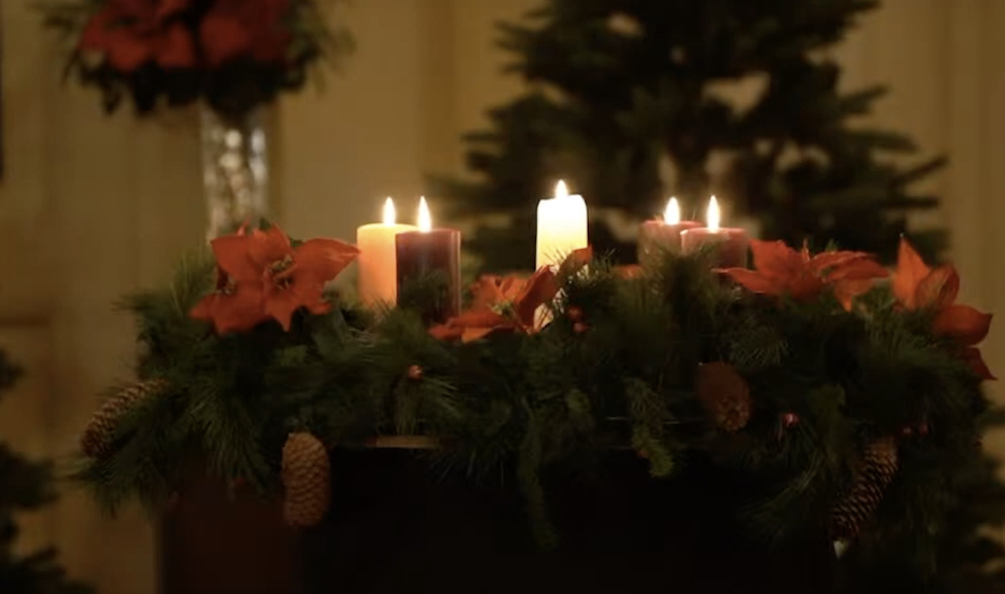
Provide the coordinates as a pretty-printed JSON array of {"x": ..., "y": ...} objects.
[
  {"x": 261, "y": 276},
  {"x": 292, "y": 277},
  {"x": 782, "y": 271},
  {"x": 245, "y": 28},
  {"x": 916, "y": 286},
  {"x": 501, "y": 304},
  {"x": 233, "y": 306},
  {"x": 510, "y": 303},
  {"x": 131, "y": 33}
]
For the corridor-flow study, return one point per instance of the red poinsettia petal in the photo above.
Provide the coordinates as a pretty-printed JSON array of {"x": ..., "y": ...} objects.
[
  {"x": 233, "y": 256},
  {"x": 753, "y": 281},
  {"x": 94, "y": 36},
  {"x": 471, "y": 334},
  {"x": 171, "y": 8},
  {"x": 126, "y": 52},
  {"x": 319, "y": 307},
  {"x": 911, "y": 269},
  {"x": 512, "y": 287},
  {"x": 963, "y": 323},
  {"x": 142, "y": 10},
  {"x": 280, "y": 305},
  {"x": 972, "y": 355},
  {"x": 487, "y": 291},
  {"x": 204, "y": 309},
  {"x": 802, "y": 288},
  {"x": 938, "y": 289},
  {"x": 446, "y": 332},
  {"x": 241, "y": 311},
  {"x": 775, "y": 259},
  {"x": 847, "y": 290},
  {"x": 823, "y": 261},
  {"x": 858, "y": 266},
  {"x": 271, "y": 45},
  {"x": 177, "y": 48},
  {"x": 540, "y": 289},
  {"x": 306, "y": 290},
  {"x": 268, "y": 247},
  {"x": 325, "y": 258},
  {"x": 223, "y": 38},
  {"x": 480, "y": 318}
]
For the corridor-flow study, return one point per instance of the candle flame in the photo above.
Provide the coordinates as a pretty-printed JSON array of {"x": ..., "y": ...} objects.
[
  {"x": 389, "y": 215},
  {"x": 671, "y": 216},
  {"x": 561, "y": 190},
  {"x": 713, "y": 214},
  {"x": 425, "y": 221}
]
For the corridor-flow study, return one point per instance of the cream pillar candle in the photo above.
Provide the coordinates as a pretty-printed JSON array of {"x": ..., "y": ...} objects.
[
  {"x": 561, "y": 227},
  {"x": 378, "y": 270}
]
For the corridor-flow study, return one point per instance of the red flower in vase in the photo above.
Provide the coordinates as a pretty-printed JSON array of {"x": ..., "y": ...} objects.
[
  {"x": 245, "y": 28},
  {"x": 131, "y": 33}
]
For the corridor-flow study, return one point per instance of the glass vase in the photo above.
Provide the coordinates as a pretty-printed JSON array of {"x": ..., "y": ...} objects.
[{"x": 235, "y": 169}]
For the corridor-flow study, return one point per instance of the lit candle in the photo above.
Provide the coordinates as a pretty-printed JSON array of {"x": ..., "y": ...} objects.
[
  {"x": 378, "y": 270},
  {"x": 730, "y": 243},
  {"x": 561, "y": 227},
  {"x": 431, "y": 255},
  {"x": 657, "y": 237}
]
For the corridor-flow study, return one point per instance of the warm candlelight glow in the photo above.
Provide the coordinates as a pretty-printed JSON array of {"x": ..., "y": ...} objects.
[
  {"x": 671, "y": 216},
  {"x": 713, "y": 214},
  {"x": 389, "y": 214},
  {"x": 425, "y": 221},
  {"x": 561, "y": 190}
]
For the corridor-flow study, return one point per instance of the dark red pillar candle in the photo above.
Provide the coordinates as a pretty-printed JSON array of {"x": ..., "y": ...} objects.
[
  {"x": 728, "y": 244},
  {"x": 432, "y": 254},
  {"x": 657, "y": 238}
]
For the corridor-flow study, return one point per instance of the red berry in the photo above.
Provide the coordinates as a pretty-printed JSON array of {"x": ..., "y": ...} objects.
[
  {"x": 415, "y": 373},
  {"x": 580, "y": 327},
  {"x": 923, "y": 429},
  {"x": 790, "y": 419},
  {"x": 575, "y": 314},
  {"x": 907, "y": 430}
]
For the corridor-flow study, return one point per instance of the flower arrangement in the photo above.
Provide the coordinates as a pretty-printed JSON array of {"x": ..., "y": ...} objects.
[{"x": 234, "y": 54}]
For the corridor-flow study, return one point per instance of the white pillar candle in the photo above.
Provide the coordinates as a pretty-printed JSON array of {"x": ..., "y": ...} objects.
[
  {"x": 378, "y": 269},
  {"x": 561, "y": 227}
]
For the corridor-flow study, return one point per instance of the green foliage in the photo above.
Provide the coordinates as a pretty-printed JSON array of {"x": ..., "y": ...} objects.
[
  {"x": 617, "y": 86},
  {"x": 26, "y": 486},
  {"x": 543, "y": 403}
]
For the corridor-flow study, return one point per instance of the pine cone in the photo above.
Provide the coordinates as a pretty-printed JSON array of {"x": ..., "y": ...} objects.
[
  {"x": 96, "y": 442},
  {"x": 306, "y": 477},
  {"x": 877, "y": 469},
  {"x": 725, "y": 395}
]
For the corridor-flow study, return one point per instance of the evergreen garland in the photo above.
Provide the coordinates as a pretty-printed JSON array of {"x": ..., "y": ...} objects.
[{"x": 617, "y": 367}]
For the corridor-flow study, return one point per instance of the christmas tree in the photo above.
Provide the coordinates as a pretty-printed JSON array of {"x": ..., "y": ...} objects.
[
  {"x": 26, "y": 486},
  {"x": 636, "y": 100}
]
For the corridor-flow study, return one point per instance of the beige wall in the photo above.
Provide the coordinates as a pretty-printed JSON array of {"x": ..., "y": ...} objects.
[{"x": 92, "y": 207}]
